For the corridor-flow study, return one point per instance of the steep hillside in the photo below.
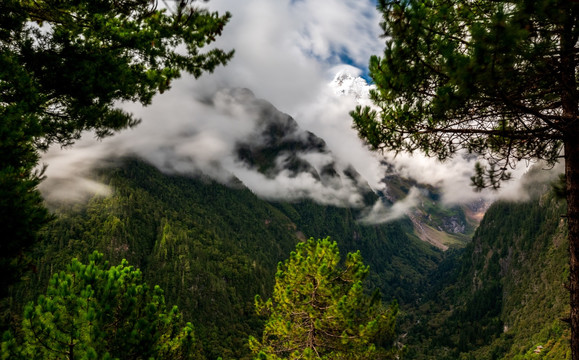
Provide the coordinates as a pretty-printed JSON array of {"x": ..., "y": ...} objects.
[
  {"x": 503, "y": 297},
  {"x": 212, "y": 248},
  {"x": 445, "y": 227}
]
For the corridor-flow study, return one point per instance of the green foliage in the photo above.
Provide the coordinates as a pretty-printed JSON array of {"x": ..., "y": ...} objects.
[
  {"x": 401, "y": 264},
  {"x": 95, "y": 311},
  {"x": 22, "y": 215},
  {"x": 495, "y": 78},
  {"x": 319, "y": 310},
  {"x": 64, "y": 68},
  {"x": 67, "y": 79}
]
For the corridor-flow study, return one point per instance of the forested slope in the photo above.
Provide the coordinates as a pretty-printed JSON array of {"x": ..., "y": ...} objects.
[
  {"x": 212, "y": 248},
  {"x": 503, "y": 297}
]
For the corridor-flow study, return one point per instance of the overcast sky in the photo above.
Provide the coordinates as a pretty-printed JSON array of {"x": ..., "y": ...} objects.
[{"x": 286, "y": 52}]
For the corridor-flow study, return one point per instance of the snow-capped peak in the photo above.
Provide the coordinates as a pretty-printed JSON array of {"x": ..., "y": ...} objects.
[{"x": 347, "y": 84}]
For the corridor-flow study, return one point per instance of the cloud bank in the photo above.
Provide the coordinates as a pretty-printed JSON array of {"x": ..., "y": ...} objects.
[{"x": 287, "y": 52}]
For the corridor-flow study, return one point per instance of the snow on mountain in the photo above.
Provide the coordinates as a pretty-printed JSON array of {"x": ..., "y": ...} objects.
[{"x": 345, "y": 83}]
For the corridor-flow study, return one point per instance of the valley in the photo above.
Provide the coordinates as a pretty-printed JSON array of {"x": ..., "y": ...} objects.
[{"x": 212, "y": 248}]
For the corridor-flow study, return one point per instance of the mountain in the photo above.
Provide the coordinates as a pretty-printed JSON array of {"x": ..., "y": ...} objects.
[
  {"x": 434, "y": 222},
  {"x": 345, "y": 83},
  {"x": 278, "y": 146},
  {"x": 284, "y": 161},
  {"x": 212, "y": 247}
]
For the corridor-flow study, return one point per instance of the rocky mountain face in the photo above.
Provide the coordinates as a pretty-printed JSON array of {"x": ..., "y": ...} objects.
[
  {"x": 279, "y": 147},
  {"x": 438, "y": 224}
]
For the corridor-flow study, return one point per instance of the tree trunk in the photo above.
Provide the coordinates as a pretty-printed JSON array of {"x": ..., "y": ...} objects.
[
  {"x": 570, "y": 114},
  {"x": 572, "y": 184}
]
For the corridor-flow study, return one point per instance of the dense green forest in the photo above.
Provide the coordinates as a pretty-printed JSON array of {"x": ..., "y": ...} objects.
[{"x": 212, "y": 248}]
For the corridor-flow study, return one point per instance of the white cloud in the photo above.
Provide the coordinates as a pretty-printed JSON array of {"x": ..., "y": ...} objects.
[
  {"x": 291, "y": 188},
  {"x": 335, "y": 26},
  {"x": 380, "y": 213},
  {"x": 284, "y": 48},
  {"x": 286, "y": 53}
]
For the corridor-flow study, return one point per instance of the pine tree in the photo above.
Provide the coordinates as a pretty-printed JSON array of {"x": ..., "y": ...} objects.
[
  {"x": 319, "y": 309},
  {"x": 498, "y": 79},
  {"x": 95, "y": 311}
]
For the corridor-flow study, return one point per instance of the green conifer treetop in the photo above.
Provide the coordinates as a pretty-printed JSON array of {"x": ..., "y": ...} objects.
[
  {"x": 319, "y": 309},
  {"x": 93, "y": 311}
]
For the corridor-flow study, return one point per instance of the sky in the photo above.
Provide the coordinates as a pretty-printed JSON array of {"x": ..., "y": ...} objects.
[{"x": 286, "y": 54}]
